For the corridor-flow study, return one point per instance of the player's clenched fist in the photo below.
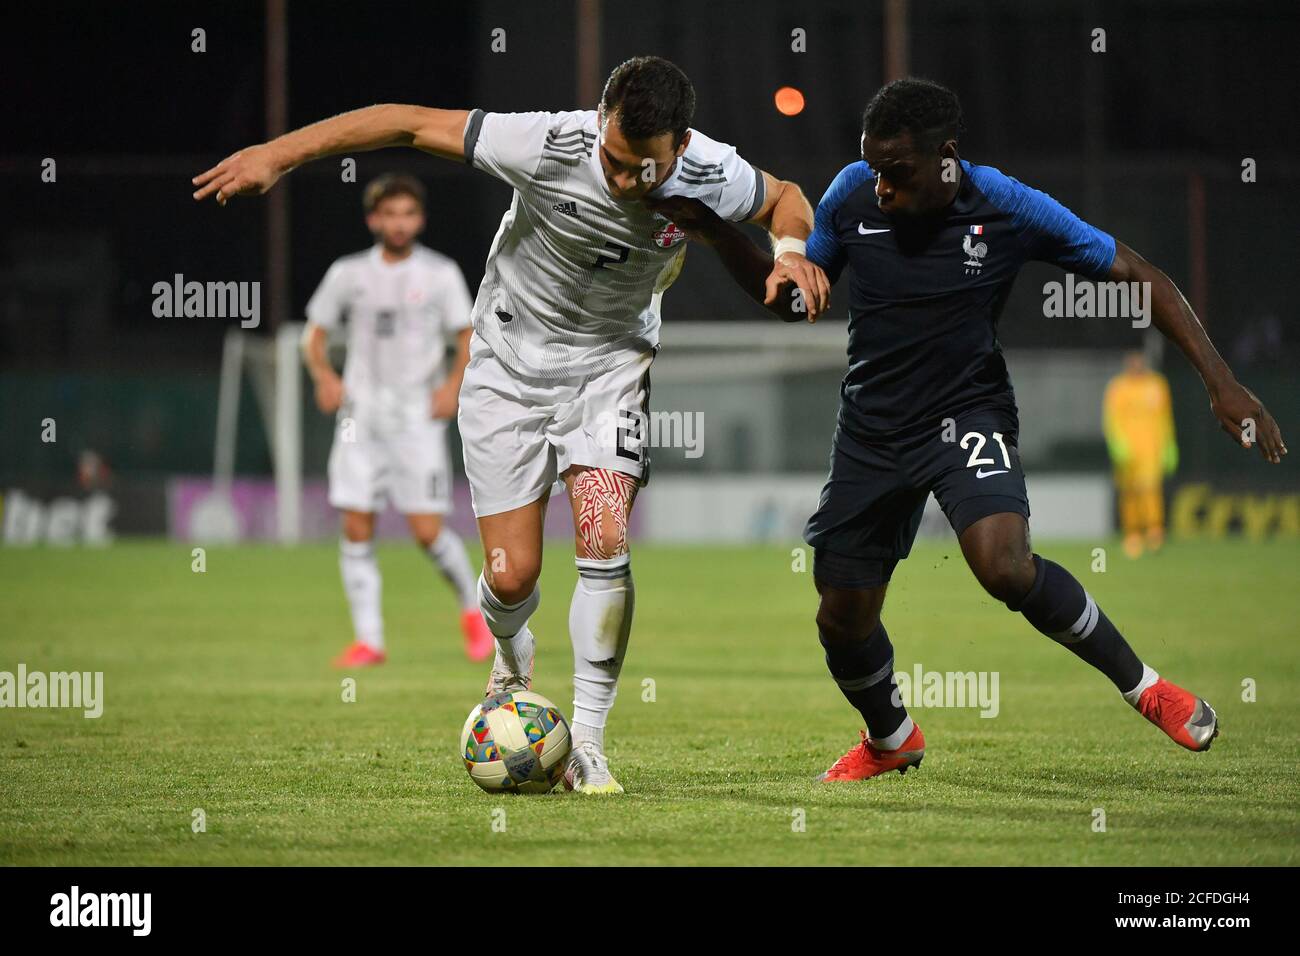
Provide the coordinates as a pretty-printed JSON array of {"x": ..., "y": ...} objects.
[
  {"x": 250, "y": 171},
  {"x": 814, "y": 287}
]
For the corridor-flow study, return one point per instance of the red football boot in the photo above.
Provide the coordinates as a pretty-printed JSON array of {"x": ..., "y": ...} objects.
[
  {"x": 479, "y": 642},
  {"x": 359, "y": 654},
  {"x": 1189, "y": 720},
  {"x": 865, "y": 761}
]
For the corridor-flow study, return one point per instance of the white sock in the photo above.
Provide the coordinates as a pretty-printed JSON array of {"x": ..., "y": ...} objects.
[
  {"x": 509, "y": 623},
  {"x": 600, "y": 619},
  {"x": 1149, "y": 677},
  {"x": 894, "y": 740},
  {"x": 363, "y": 587},
  {"x": 582, "y": 732},
  {"x": 448, "y": 553}
]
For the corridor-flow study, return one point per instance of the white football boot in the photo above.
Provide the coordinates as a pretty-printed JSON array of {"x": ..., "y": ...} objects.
[
  {"x": 504, "y": 680},
  {"x": 588, "y": 770}
]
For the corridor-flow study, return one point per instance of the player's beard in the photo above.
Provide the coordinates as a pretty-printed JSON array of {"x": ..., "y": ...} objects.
[{"x": 396, "y": 250}]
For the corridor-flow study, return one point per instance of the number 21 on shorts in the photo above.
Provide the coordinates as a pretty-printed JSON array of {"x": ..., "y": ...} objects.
[{"x": 975, "y": 461}]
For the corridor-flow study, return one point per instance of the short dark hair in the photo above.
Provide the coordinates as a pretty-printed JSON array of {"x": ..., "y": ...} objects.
[
  {"x": 930, "y": 112},
  {"x": 389, "y": 185},
  {"x": 651, "y": 96}
]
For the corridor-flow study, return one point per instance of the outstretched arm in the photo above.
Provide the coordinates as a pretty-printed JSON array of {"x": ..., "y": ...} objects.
[
  {"x": 1234, "y": 405},
  {"x": 751, "y": 267},
  {"x": 255, "y": 169}
]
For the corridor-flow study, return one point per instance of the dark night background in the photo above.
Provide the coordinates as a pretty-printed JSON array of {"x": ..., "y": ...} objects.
[{"x": 112, "y": 92}]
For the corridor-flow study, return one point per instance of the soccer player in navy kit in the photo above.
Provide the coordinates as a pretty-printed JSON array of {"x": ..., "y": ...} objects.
[{"x": 934, "y": 244}]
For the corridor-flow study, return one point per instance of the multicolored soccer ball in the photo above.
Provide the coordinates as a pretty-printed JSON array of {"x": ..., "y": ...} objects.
[{"x": 515, "y": 743}]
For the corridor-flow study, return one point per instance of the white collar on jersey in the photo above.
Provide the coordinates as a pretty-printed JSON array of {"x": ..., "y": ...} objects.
[{"x": 377, "y": 256}]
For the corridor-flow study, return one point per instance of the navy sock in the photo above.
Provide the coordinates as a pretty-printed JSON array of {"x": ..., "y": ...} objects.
[
  {"x": 1058, "y": 606},
  {"x": 865, "y": 672}
]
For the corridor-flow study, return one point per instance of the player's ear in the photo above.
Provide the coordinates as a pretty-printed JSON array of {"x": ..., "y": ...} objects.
[
  {"x": 948, "y": 149},
  {"x": 681, "y": 147},
  {"x": 372, "y": 222}
]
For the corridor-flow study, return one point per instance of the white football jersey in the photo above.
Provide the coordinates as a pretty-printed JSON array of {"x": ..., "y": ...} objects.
[
  {"x": 401, "y": 318},
  {"x": 574, "y": 276}
]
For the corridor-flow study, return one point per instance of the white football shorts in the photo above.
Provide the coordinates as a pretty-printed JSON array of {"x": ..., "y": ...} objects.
[
  {"x": 520, "y": 434},
  {"x": 405, "y": 462}
]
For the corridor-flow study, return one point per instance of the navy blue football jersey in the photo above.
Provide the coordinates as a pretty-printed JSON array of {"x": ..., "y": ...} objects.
[{"x": 924, "y": 298}]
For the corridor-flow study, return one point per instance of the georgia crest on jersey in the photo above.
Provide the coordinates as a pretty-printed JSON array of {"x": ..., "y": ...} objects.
[{"x": 574, "y": 276}]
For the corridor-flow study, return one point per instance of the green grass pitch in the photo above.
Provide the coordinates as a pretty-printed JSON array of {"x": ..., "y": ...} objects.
[{"x": 219, "y": 697}]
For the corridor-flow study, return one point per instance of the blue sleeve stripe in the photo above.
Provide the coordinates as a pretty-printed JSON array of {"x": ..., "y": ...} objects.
[
  {"x": 1050, "y": 232},
  {"x": 824, "y": 247}
]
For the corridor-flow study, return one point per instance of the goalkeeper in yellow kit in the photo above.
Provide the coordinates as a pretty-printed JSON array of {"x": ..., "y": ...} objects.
[{"x": 1139, "y": 425}]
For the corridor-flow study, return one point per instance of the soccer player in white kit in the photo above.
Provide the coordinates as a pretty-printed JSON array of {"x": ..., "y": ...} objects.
[
  {"x": 566, "y": 323},
  {"x": 403, "y": 303}
]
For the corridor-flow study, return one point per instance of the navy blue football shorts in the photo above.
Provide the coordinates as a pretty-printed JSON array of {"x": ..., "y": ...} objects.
[{"x": 872, "y": 502}]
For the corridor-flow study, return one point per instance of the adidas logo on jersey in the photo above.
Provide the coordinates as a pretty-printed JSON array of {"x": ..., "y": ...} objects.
[{"x": 568, "y": 208}]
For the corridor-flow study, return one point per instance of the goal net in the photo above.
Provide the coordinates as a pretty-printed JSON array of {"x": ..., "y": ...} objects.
[
  {"x": 765, "y": 393},
  {"x": 273, "y": 369}
]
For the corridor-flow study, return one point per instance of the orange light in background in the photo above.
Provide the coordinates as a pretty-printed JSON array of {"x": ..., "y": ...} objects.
[{"x": 789, "y": 101}]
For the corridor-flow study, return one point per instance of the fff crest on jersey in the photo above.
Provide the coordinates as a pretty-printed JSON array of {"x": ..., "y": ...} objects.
[
  {"x": 975, "y": 251},
  {"x": 669, "y": 236}
]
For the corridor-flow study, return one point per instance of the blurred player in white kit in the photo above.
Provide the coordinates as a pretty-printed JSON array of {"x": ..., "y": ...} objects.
[{"x": 403, "y": 304}]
